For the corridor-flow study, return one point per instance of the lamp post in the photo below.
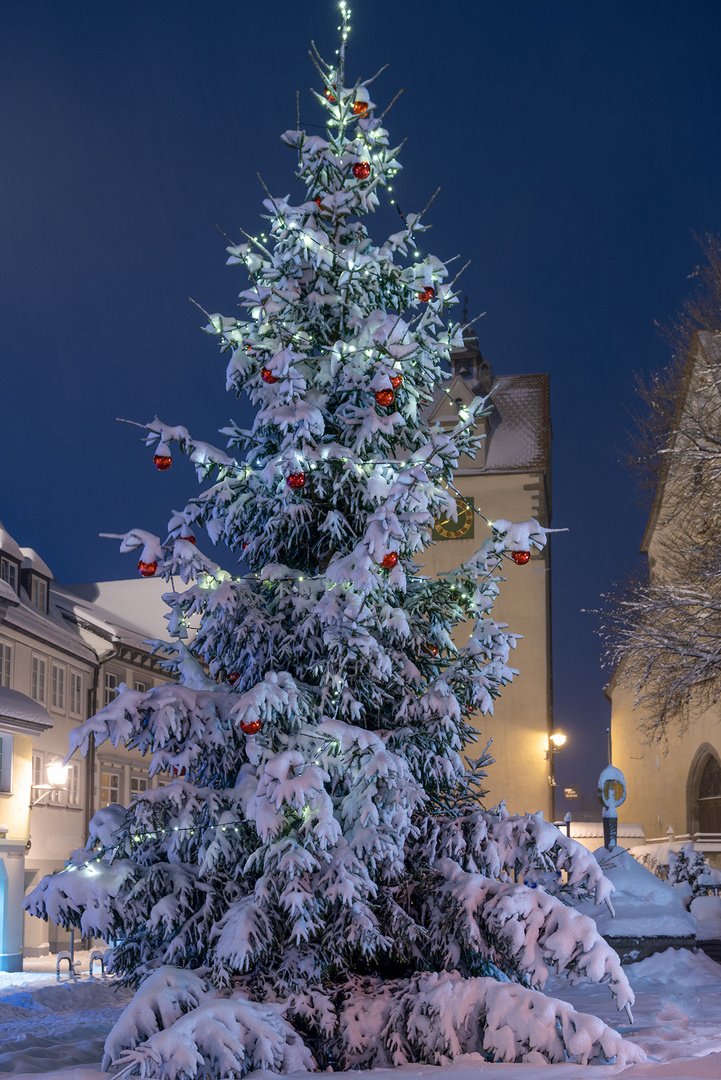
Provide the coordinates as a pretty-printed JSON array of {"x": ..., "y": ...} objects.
[{"x": 555, "y": 741}]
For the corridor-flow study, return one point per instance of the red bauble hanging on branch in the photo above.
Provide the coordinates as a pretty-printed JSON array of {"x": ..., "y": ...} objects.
[
  {"x": 427, "y": 294},
  {"x": 329, "y": 95},
  {"x": 296, "y": 481},
  {"x": 268, "y": 376},
  {"x": 385, "y": 397},
  {"x": 250, "y": 729},
  {"x": 390, "y": 560},
  {"x": 190, "y": 539},
  {"x": 147, "y": 569},
  {"x": 233, "y": 678},
  {"x": 162, "y": 462},
  {"x": 361, "y": 170},
  {"x": 360, "y": 107},
  {"x": 520, "y": 558},
  {"x": 396, "y": 381}
]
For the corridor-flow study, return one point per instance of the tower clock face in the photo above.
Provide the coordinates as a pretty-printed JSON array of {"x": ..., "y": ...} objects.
[{"x": 462, "y": 529}]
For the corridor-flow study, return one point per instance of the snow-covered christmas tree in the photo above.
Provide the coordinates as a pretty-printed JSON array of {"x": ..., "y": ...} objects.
[{"x": 320, "y": 884}]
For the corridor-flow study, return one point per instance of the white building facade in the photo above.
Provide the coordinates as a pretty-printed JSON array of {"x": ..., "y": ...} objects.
[{"x": 64, "y": 651}]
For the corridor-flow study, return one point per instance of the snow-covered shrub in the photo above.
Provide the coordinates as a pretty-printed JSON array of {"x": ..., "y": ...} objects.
[
  {"x": 320, "y": 885},
  {"x": 682, "y": 865}
]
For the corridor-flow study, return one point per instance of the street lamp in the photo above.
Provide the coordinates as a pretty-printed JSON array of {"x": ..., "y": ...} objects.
[{"x": 57, "y": 774}]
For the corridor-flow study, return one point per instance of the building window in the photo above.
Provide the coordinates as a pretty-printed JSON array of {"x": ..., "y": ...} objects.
[
  {"x": 709, "y": 797},
  {"x": 6, "y": 762},
  {"x": 39, "y": 593},
  {"x": 109, "y": 787},
  {"x": 57, "y": 694},
  {"x": 9, "y": 573},
  {"x": 37, "y": 679},
  {"x": 111, "y": 686},
  {"x": 138, "y": 784},
  {"x": 38, "y": 769},
  {"x": 76, "y": 693},
  {"x": 6, "y": 656},
  {"x": 141, "y": 686},
  {"x": 72, "y": 788}
]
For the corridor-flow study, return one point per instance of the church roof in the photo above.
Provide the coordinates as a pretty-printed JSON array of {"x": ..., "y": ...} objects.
[
  {"x": 519, "y": 438},
  {"x": 519, "y": 424}
]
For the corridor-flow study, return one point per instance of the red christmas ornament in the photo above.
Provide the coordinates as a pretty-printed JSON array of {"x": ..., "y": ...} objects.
[
  {"x": 233, "y": 678},
  {"x": 190, "y": 538},
  {"x": 162, "y": 462},
  {"x": 268, "y": 376},
  {"x": 390, "y": 560},
  {"x": 361, "y": 170},
  {"x": 250, "y": 729},
  {"x": 147, "y": 569},
  {"x": 520, "y": 558},
  {"x": 360, "y": 107},
  {"x": 317, "y": 201},
  {"x": 428, "y": 293},
  {"x": 328, "y": 95},
  {"x": 385, "y": 397},
  {"x": 432, "y": 650},
  {"x": 296, "y": 481},
  {"x": 396, "y": 381}
]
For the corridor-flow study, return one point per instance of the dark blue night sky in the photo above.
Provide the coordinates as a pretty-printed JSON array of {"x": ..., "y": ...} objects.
[{"x": 577, "y": 149}]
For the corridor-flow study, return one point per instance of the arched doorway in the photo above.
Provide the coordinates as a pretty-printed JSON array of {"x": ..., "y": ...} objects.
[{"x": 709, "y": 796}]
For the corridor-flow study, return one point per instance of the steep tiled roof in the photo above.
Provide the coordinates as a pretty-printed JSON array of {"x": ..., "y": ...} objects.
[
  {"x": 520, "y": 424},
  {"x": 519, "y": 434}
]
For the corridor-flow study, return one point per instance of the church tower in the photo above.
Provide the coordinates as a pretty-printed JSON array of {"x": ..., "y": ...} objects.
[{"x": 509, "y": 478}]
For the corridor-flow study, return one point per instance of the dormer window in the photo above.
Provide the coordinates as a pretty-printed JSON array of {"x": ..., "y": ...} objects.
[
  {"x": 9, "y": 572},
  {"x": 39, "y": 593}
]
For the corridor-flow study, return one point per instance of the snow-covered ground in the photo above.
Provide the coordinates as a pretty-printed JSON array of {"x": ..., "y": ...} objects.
[{"x": 56, "y": 1027}]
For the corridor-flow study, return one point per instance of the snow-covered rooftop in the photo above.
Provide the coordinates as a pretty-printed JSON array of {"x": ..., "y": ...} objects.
[
  {"x": 19, "y": 707},
  {"x": 131, "y": 610},
  {"x": 32, "y": 561},
  {"x": 8, "y": 545},
  {"x": 595, "y": 828}
]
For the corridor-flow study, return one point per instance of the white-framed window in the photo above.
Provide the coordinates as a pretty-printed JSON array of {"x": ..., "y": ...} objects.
[
  {"x": 39, "y": 593},
  {"x": 76, "y": 693},
  {"x": 57, "y": 691},
  {"x": 6, "y": 664},
  {"x": 112, "y": 681},
  {"x": 38, "y": 676},
  {"x": 140, "y": 686},
  {"x": 6, "y": 762},
  {"x": 9, "y": 573},
  {"x": 138, "y": 784},
  {"x": 72, "y": 788},
  {"x": 109, "y": 786},
  {"x": 38, "y": 768}
]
